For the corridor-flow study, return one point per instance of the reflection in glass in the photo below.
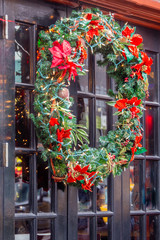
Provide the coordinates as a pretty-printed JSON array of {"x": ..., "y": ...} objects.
[
  {"x": 83, "y": 228},
  {"x": 22, "y": 230},
  {"x": 22, "y": 183},
  {"x": 100, "y": 76},
  {"x": 44, "y": 230},
  {"x": 102, "y": 228},
  {"x": 152, "y": 226},
  {"x": 83, "y": 112},
  {"x": 151, "y": 130},
  {"x": 152, "y": 79},
  {"x": 84, "y": 200},
  {"x": 43, "y": 181},
  {"x": 22, "y": 122},
  {"x": 101, "y": 119},
  {"x": 102, "y": 196},
  {"x": 136, "y": 227},
  {"x": 82, "y": 81},
  {"x": 22, "y": 53},
  {"x": 151, "y": 184},
  {"x": 136, "y": 185}
]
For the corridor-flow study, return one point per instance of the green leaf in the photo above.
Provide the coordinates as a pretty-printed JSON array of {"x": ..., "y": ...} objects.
[
  {"x": 81, "y": 126},
  {"x": 122, "y": 151},
  {"x": 140, "y": 150},
  {"x": 111, "y": 103},
  {"x": 117, "y": 113},
  {"x": 82, "y": 132}
]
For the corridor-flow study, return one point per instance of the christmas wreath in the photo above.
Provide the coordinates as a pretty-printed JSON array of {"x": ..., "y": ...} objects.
[{"x": 62, "y": 51}]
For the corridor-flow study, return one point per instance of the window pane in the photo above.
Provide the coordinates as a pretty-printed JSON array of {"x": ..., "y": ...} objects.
[
  {"x": 22, "y": 121},
  {"x": 136, "y": 227},
  {"x": 102, "y": 196},
  {"x": 44, "y": 230},
  {"x": 82, "y": 81},
  {"x": 100, "y": 76},
  {"x": 83, "y": 112},
  {"x": 152, "y": 79},
  {"x": 136, "y": 185},
  {"x": 22, "y": 183},
  {"x": 84, "y": 200},
  {"x": 151, "y": 184},
  {"x": 22, "y": 230},
  {"x": 83, "y": 228},
  {"x": 152, "y": 227},
  {"x": 151, "y": 130},
  {"x": 101, "y": 119},
  {"x": 22, "y": 53},
  {"x": 102, "y": 228},
  {"x": 44, "y": 189}
]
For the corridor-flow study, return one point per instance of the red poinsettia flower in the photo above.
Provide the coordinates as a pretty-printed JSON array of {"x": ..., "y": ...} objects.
[
  {"x": 70, "y": 178},
  {"x": 88, "y": 16},
  {"x": 53, "y": 121},
  {"x": 87, "y": 186},
  {"x": 81, "y": 170},
  {"x": 134, "y": 101},
  {"x": 134, "y": 111},
  {"x": 61, "y": 134},
  {"x": 136, "y": 39},
  {"x": 145, "y": 66},
  {"x": 147, "y": 61},
  {"x": 121, "y": 104},
  {"x": 60, "y": 52},
  {"x": 94, "y": 27},
  {"x": 71, "y": 67},
  {"x": 94, "y": 31},
  {"x": 127, "y": 31},
  {"x": 134, "y": 51}
]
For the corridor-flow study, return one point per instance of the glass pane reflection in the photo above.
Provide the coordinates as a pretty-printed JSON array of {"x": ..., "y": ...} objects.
[
  {"x": 152, "y": 79},
  {"x": 102, "y": 196},
  {"x": 83, "y": 228},
  {"x": 152, "y": 227},
  {"x": 101, "y": 119},
  {"x": 22, "y": 121},
  {"x": 22, "y": 183},
  {"x": 44, "y": 188},
  {"x": 44, "y": 230},
  {"x": 151, "y": 130},
  {"x": 136, "y": 185},
  {"x": 151, "y": 184},
  {"x": 83, "y": 112},
  {"x": 84, "y": 200},
  {"x": 22, "y": 53},
  {"x": 82, "y": 81},
  {"x": 100, "y": 77},
  {"x": 22, "y": 230},
  {"x": 102, "y": 228},
  {"x": 136, "y": 228}
]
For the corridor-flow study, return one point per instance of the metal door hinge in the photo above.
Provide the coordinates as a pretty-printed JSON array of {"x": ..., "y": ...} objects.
[{"x": 5, "y": 154}]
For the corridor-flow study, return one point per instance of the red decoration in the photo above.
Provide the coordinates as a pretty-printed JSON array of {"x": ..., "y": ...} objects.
[{"x": 53, "y": 122}]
